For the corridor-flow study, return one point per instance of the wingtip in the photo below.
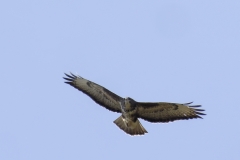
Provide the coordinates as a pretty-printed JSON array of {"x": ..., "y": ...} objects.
[
  {"x": 68, "y": 83},
  {"x": 68, "y": 79},
  {"x": 196, "y": 106},
  {"x": 66, "y": 74},
  {"x": 201, "y": 110},
  {"x": 188, "y": 103},
  {"x": 199, "y": 116},
  {"x": 200, "y": 113},
  {"x": 73, "y": 75}
]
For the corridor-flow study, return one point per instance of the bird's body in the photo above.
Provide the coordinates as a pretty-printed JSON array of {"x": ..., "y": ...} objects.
[
  {"x": 131, "y": 110},
  {"x": 129, "y": 126},
  {"x": 128, "y": 120}
]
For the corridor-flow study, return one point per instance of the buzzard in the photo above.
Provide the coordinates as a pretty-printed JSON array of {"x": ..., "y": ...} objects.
[{"x": 131, "y": 110}]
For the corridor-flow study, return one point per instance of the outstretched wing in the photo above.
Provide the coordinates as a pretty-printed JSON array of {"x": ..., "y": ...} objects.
[
  {"x": 166, "y": 112},
  {"x": 99, "y": 94}
]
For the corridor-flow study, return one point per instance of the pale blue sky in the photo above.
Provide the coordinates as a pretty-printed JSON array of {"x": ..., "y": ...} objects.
[{"x": 170, "y": 51}]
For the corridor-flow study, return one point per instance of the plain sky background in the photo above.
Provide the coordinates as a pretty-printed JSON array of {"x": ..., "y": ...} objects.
[{"x": 169, "y": 51}]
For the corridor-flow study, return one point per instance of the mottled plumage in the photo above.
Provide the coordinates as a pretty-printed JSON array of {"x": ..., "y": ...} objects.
[{"x": 131, "y": 110}]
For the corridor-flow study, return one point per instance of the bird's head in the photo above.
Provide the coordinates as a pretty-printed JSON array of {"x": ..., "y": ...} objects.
[{"x": 130, "y": 103}]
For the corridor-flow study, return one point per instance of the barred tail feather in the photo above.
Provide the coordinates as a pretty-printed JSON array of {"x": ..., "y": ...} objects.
[{"x": 133, "y": 128}]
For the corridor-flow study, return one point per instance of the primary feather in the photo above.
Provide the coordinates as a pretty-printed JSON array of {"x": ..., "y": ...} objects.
[{"x": 99, "y": 94}]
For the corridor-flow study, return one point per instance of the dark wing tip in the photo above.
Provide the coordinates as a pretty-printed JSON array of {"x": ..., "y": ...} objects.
[
  {"x": 68, "y": 83},
  {"x": 199, "y": 116},
  {"x": 196, "y": 106},
  {"x": 201, "y": 110},
  {"x": 198, "y": 112},
  {"x": 70, "y": 78},
  {"x": 73, "y": 75},
  {"x": 187, "y": 103}
]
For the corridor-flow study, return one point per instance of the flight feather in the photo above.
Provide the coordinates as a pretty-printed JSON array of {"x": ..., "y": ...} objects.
[
  {"x": 99, "y": 94},
  {"x": 166, "y": 112}
]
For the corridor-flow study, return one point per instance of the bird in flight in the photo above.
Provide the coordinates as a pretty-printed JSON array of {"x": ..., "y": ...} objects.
[{"x": 131, "y": 110}]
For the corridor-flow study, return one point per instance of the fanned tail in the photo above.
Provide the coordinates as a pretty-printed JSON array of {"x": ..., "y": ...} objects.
[{"x": 132, "y": 128}]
